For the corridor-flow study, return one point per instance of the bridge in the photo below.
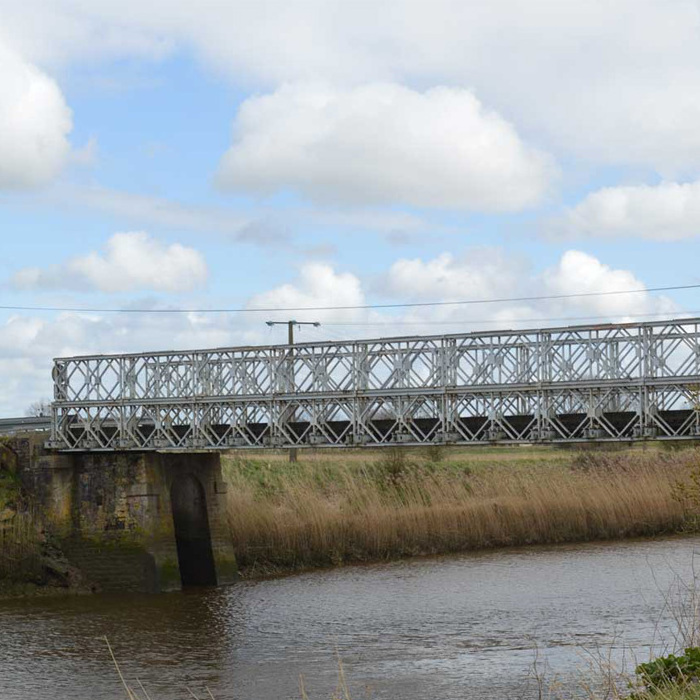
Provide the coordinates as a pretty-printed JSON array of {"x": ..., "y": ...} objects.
[
  {"x": 612, "y": 382},
  {"x": 128, "y": 479}
]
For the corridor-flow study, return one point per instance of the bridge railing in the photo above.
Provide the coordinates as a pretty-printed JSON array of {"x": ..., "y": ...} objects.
[
  {"x": 613, "y": 381},
  {"x": 10, "y": 426}
]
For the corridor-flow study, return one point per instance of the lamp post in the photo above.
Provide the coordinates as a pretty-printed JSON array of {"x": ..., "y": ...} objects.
[{"x": 290, "y": 341}]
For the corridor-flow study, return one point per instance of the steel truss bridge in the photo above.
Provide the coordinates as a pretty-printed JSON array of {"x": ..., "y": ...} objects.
[{"x": 605, "y": 382}]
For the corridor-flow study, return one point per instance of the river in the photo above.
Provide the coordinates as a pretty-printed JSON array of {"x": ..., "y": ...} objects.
[{"x": 448, "y": 627}]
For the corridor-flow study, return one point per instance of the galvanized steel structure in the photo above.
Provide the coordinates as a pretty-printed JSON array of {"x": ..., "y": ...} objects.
[{"x": 601, "y": 382}]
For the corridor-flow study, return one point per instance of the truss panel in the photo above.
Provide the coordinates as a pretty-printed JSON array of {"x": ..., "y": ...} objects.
[{"x": 603, "y": 382}]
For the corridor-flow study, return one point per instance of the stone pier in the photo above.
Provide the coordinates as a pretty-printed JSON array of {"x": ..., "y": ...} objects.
[{"x": 136, "y": 521}]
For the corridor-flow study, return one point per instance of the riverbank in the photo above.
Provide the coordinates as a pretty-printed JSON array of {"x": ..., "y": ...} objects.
[
  {"x": 30, "y": 563},
  {"x": 332, "y": 508}
]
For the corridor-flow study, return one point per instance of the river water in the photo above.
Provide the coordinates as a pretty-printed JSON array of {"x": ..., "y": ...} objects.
[{"x": 449, "y": 627}]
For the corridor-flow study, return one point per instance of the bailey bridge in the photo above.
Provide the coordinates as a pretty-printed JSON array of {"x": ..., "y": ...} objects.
[
  {"x": 613, "y": 382},
  {"x": 128, "y": 480}
]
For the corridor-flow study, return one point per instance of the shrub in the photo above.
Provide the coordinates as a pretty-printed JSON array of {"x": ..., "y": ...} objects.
[
  {"x": 669, "y": 670},
  {"x": 435, "y": 453},
  {"x": 394, "y": 463}
]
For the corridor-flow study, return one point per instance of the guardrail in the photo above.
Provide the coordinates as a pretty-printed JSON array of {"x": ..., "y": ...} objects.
[{"x": 10, "y": 426}]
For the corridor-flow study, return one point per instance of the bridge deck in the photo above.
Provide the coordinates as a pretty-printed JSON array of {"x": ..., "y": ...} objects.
[{"x": 602, "y": 382}]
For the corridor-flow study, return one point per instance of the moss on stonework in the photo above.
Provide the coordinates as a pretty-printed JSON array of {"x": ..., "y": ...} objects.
[
  {"x": 10, "y": 491},
  {"x": 106, "y": 543},
  {"x": 169, "y": 575},
  {"x": 226, "y": 570}
]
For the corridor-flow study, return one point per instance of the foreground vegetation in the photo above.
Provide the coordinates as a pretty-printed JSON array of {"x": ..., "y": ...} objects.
[
  {"x": 674, "y": 693},
  {"x": 331, "y": 508}
]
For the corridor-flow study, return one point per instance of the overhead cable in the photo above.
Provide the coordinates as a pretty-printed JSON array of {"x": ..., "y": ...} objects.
[{"x": 349, "y": 307}]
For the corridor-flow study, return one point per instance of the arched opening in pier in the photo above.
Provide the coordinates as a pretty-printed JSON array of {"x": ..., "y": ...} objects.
[{"x": 191, "y": 520}]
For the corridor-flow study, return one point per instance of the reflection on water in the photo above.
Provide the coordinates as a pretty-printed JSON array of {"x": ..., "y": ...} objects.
[{"x": 447, "y": 628}]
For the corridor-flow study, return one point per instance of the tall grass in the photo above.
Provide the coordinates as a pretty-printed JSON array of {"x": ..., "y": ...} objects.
[
  {"x": 333, "y": 509},
  {"x": 690, "y": 693}
]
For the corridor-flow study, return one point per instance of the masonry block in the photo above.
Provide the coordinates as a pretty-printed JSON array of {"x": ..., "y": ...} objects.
[{"x": 112, "y": 513}]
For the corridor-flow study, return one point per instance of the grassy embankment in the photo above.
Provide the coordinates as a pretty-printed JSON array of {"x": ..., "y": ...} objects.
[
  {"x": 359, "y": 505},
  {"x": 332, "y": 507}
]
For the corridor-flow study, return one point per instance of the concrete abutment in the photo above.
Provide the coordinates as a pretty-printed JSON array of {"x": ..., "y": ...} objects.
[{"x": 136, "y": 521}]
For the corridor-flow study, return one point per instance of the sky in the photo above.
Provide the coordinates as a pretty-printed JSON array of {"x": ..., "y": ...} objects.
[{"x": 223, "y": 154}]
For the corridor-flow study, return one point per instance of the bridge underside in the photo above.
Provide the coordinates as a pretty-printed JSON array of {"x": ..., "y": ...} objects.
[{"x": 407, "y": 420}]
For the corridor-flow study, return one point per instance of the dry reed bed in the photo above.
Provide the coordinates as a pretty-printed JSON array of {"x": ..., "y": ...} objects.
[{"x": 328, "y": 511}]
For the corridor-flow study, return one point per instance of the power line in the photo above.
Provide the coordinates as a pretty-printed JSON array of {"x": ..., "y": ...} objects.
[
  {"x": 389, "y": 322},
  {"x": 352, "y": 307}
]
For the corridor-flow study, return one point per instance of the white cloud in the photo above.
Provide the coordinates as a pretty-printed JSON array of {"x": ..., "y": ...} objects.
[
  {"x": 55, "y": 33},
  {"x": 384, "y": 143},
  {"x": 483, "y": 273},
  {"x": 131, "y": 261},
  {"x": 492, "y": 274},
  {"x": 150, "y": 210},
  {"x": 259, "y": 226},
  {"x": 580, "y": 273},
  {"x": 34, "y": 124},
  {"x": 385, "y": 221},
  {"x": 669, "y": 211},
  {"x": 318, "y": 285},
  {"x": 615, "y": 81}
]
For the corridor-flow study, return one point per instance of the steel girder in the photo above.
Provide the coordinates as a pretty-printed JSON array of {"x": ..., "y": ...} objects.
[{"x": 604, "y": 382}]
